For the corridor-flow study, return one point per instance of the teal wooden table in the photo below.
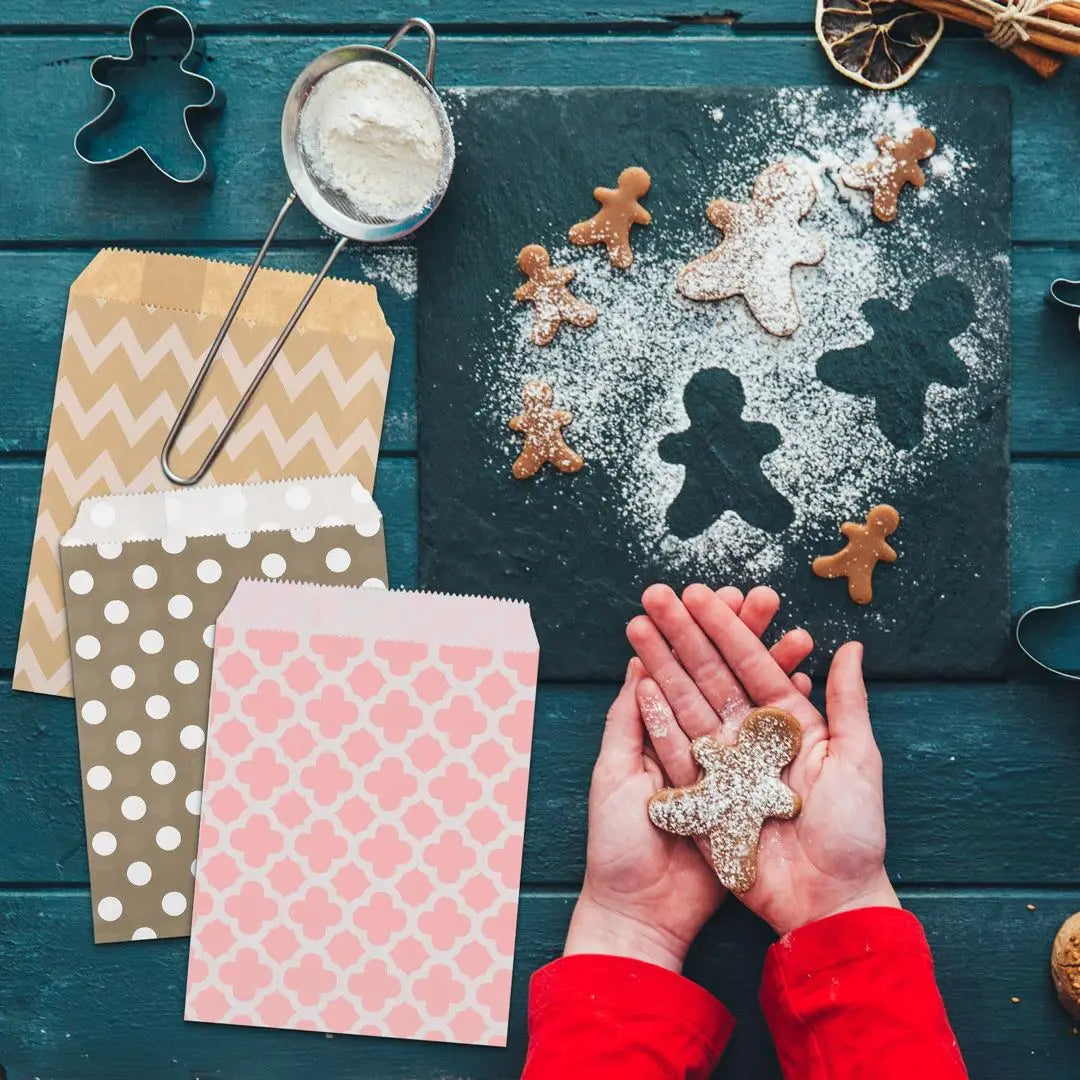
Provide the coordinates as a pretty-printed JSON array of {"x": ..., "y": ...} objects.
[{"x": 983, "y": 779}]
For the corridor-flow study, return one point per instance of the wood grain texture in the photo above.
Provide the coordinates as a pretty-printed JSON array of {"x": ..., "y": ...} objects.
[
  {"x": 961, "y": 760},
  {"x": 115, "y": 1010},
  {"x": 446, "y": 14},
  {"x": 123, "y": 205},
  {"x": 981, "y": 779}
]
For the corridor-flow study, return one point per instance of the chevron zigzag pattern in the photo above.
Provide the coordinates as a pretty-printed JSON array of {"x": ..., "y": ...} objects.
[{"x": 124, "y": 370}]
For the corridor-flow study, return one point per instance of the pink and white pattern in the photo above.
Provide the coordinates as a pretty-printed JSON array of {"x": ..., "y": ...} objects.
[{"x": 363, "y": 813}]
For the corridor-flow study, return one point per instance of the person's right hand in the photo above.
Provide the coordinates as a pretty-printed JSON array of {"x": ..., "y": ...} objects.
[{"x": 707, "y": 663}]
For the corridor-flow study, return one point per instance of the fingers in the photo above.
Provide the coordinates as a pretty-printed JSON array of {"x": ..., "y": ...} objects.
[
  {"x": 759, "y": 609},
  {"x": 732, "y": 597},
  {"x": 762, "y": 678},
  {"x": 624, "y": 736},
  {"x": 669, "y": 741},
  {"x": 698, "y": 658},
  {"x": 848, "y": 712},
  {"x": 693, "y": 712},
  {"x": 789, "y": 652}
]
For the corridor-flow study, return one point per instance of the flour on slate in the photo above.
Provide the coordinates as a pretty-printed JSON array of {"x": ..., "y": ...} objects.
[{"x": 624, "y": 378}]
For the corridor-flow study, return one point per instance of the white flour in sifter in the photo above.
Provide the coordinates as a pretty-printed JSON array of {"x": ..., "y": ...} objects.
[{"x": 371, "y": 132}]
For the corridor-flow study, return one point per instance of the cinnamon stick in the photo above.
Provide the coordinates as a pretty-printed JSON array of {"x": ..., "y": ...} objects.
[{"x": 1042, "y": 53}]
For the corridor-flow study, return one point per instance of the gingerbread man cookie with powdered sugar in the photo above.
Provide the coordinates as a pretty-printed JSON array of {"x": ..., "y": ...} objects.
[
  {"x": 740, "y": 790},
  {"x": 763, "y": 241},
  {"x": 897, "y": 164},
  {"x": 548, "y": 291}
]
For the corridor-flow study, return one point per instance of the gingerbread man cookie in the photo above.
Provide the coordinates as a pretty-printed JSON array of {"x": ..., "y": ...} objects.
[
  {"x": 741, "y": 788},
  {"x": 542, "y": 427},
  {"x": 619, "y": 210},
  {"x": 763, "y": 241},
  {"x": 865, "y": 548},
  {"x": 553, "y": 303},
  {"x": 897, "y": 164}
]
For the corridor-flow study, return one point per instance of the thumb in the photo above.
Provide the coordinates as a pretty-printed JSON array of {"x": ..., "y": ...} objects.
[
  {"x": 624, "y": 735},
  {"x": 848, "y": 711}
]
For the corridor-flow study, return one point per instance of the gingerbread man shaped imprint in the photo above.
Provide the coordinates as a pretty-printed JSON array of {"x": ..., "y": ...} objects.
[
  {"x": 542, "y": 427},
  {"x": 763, "y": 242},
  {"x": 619, "y": 210},
  {"x": 897, "y": 164},
  {"x": 553, "y": 303},
  {"x": 865, "y": 548},
  {"x": 741, "y": 788}
]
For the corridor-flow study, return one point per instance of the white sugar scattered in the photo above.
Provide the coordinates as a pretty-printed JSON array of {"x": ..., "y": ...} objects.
[
  {"x": 623, "y": 379},
  {"x": 717, "y": 114},
  {"x": 655, "y": 716},
  {"x": 394, "y": 266}
]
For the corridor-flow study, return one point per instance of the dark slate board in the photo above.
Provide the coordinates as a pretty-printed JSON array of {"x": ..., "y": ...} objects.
[{"x": 527, "y": 162}]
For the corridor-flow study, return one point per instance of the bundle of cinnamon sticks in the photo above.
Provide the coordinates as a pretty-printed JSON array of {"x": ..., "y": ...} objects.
[{"x": 1041, "y": 33}]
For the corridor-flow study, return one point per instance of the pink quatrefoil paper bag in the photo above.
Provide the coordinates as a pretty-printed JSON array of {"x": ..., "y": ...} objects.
[{"x": 363, "y": 813}]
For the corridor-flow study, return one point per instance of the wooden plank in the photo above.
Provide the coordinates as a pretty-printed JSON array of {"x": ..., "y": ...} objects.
[
  {"x": 446, "y": 14},
  {"x": 1044, "y": 553},
  {"x": 72, "y": 202},
  {"x": 68, "y": 1009},
  {"x": 1045, "y": 355},
  {"x": 972, "y": 761},
  {"x": 1046, "y": 364}
]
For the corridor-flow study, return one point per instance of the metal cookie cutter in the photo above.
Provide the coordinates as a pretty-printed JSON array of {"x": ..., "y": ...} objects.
[
  {"x": 153, "y": 22},
  {"x": 1075, "y": 675},
  {"x": 1059, "y": 294},
  {"x": 333, "y": 209}
]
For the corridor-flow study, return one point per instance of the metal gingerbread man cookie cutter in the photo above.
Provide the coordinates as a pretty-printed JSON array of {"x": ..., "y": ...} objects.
[
  {"x": 159, "y": 22},
  {"x": 1041, "y": 610}
]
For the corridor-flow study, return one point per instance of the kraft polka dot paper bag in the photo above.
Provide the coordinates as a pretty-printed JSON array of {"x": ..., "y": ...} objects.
[
  {"x": 145, "y": 577},
  {"x": 363, "y": 813}
]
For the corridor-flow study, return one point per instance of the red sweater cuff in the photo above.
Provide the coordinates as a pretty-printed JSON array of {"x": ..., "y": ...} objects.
[
  {"x": 839, "y": 939},
  {"x": 611, "y": 1016},
  {"x": 854, "y": 996}
]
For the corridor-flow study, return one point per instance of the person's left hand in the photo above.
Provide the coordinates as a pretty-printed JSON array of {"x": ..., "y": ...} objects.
[{"x": 647, "y": 893}]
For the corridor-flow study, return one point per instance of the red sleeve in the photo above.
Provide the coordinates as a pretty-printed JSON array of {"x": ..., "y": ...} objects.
[
  {"x": 610, "y": 1018},
  {"x": 854, "y": 996}
]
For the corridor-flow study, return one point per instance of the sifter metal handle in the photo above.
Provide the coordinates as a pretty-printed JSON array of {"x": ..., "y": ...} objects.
[
  {"x": 429, "y": 30},
  {"x": 215, "y": 347},
  {"x": 271, "y": 356}
]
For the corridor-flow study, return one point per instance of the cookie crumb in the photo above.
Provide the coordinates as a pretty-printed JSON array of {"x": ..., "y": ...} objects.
[
  {"x": 1015, "y": 1000},
  {"x": 1031, "y": 907}
]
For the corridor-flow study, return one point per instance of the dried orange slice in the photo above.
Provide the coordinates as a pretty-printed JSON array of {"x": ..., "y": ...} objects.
[{"x": 877, "y": 43}]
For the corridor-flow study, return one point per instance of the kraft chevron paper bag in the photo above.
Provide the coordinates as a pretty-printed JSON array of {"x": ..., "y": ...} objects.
[
  {"x": 137, "y": 327},
  {"x": 145, "y": 579}
]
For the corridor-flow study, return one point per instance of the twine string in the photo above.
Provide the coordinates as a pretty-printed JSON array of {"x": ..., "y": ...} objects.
[{"x": 1010, "y": 19}]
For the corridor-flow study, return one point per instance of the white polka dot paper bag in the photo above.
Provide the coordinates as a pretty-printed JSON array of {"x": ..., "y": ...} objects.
[
  {"x": 137, "y": 327},
  {"x": 363, "y": 813},
  {"x": 145, "y": 578}
]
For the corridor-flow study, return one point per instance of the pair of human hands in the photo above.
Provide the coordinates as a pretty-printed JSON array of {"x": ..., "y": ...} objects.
[{"x": 700, "y": 668}]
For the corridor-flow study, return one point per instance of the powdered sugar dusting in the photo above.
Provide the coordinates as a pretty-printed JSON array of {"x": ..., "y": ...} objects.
[
  {"x": 656, "y": 716},
  {"x": 624, "y": 378}
]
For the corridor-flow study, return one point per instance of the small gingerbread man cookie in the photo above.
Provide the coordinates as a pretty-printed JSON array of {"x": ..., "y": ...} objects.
[
  {"x": 763, "y": 241},
  {"x": 865, "y": 548},
  {"x": 619, "y": 210},
  {"x": 741, "y": 788},
  {"x": 897, "y": 164},
  {"x": 542, "y": 427},
  {"x": 553, "y": 303}
]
